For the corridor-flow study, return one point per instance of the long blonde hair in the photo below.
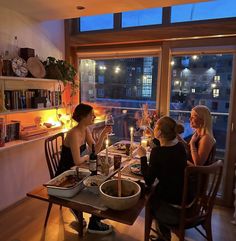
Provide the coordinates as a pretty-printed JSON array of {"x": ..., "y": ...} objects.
[{"x": 204, "y": 113}]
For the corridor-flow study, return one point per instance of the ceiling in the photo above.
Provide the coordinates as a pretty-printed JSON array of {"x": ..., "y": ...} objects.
[{"x": 63, "y": 9}]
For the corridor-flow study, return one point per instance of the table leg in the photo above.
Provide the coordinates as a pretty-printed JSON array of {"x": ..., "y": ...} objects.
[{"x": 80, "y": 223}]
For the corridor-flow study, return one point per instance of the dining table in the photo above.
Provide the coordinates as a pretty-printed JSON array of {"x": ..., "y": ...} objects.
[{"x": 128, "y": 216}]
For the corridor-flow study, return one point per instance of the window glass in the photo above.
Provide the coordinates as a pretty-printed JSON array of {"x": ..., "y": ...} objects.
[
  {"x": 203, "y": 10},
  {"x": 142, "y": 17},
  {"x": 202, "y": 80},
  {"x": 121, "y": 87},
  {"x": 97, "y": 22}
]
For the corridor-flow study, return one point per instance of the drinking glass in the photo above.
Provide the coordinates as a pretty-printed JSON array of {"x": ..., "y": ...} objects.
[{"x": 109, "y": 121}]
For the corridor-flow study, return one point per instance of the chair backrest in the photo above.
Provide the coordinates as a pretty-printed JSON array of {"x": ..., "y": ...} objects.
[
  {"x": 206, "y": 184},
  {"x": 52, "y": 146}
]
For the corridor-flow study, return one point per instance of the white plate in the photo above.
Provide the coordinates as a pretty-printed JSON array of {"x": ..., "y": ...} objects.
[{"x": 19, "y": 67}]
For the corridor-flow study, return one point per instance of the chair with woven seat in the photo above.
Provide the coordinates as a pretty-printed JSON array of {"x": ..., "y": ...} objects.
[
  {"x": 52, "y": 146},
  {"x": 198, "y": 212}
]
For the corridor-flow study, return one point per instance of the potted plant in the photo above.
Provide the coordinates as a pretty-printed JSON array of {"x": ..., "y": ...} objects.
[{"x": 61, "y": 70}]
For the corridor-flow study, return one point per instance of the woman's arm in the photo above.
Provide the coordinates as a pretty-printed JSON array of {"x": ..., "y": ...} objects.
[
  {"x": 101, "y": 138},
  {"x": 148, "y": 171},
  {"x": 200, "y": 154}
]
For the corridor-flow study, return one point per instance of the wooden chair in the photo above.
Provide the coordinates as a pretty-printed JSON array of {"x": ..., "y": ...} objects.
[
  {"x": 52, "y": 146},
  {"x": 198, "y": 212}
]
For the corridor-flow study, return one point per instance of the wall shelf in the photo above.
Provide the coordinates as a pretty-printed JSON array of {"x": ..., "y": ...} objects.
[
  {"x": 9, "y": 112},
  {"x": 15, "y": 78}
]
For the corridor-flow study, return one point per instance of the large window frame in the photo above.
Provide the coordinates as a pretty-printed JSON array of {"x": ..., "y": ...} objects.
[
  {"x": 125, "y": 53},
  {"x": 229, "y": 159}
]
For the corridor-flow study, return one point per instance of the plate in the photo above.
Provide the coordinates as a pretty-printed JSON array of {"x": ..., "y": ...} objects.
[
  {"x": 120, "y": 146},
  {"x": 35, "y": 67},
  {"x": 136, "y": 169},
  {"x": 19, "y": 67}
]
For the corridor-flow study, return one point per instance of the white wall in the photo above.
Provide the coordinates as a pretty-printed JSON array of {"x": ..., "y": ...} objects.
[{"x": 47, "y": 38}]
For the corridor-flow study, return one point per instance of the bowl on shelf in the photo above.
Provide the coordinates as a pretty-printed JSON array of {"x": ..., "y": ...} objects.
[{"x": 130, "y": 194}]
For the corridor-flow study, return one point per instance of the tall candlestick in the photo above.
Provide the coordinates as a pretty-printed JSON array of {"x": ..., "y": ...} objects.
[
  {"x": 131, "y": 136},
  {"x": 107, "y": 141}
]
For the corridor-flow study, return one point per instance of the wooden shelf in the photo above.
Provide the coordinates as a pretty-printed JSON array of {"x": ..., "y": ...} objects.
[
  {"x": 15, "y": 78},
  {"x": 12, "y": 144},
  {"x": 9, "y": 112}
]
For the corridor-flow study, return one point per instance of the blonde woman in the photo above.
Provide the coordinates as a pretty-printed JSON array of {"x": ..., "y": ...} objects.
[{"x": 202, "y": 143}]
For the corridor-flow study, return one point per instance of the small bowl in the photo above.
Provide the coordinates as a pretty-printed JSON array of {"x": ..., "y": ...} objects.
[
  {"x": 130, "y": 194},
  {"x": 92, "y": 183}
]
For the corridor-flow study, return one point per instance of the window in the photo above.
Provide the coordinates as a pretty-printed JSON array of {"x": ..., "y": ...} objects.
[
  {"x": 203, "y": 10},
  {"x": 202, "y": 85},
  {"x": 100, "y": 92},
  {"x": 101, "y": 79},
  {"x": 122, "y": 93},
  {"x": 97, "y": 22},
  {"x": 142, "y": 17}
]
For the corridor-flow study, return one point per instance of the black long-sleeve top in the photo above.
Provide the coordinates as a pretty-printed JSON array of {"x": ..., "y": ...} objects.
[{"x": 167, "y": 164}]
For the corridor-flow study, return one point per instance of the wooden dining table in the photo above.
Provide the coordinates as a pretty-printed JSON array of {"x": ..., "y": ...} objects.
[{"x": 128, "y": 216}]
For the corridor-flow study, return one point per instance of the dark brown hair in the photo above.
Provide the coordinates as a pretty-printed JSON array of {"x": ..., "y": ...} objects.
[
  {"x": 169, "y": 127},
  {"x": 81, "y": 111}
]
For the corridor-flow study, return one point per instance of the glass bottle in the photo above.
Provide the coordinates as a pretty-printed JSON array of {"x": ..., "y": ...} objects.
[{"x": 93, "y": 161}]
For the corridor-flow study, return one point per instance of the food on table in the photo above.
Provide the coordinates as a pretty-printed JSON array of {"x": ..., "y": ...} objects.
[
  {"x": 66, "y": 181},
  {"x": 136, "y": 169}
]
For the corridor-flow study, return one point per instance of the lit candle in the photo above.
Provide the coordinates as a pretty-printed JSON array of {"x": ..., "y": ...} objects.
[
  {"x": 144, "y": 143},
  {"x": 131, "y": 136},
  {"x": 107, "y": 141}
]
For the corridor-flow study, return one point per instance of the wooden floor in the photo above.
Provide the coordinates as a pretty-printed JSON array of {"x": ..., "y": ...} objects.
[{"x": 24, "y": 222}]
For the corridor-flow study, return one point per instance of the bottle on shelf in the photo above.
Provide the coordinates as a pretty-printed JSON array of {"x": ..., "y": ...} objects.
[
  {"x": 7, "y": 69},
  {"x": 1, "y": 63},
  {"x": 93, "y": 161}
]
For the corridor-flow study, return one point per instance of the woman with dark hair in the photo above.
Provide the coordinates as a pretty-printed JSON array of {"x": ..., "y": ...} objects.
[
  {"x": 76, "y": 141},
  {"x": 167, "y": 163}
]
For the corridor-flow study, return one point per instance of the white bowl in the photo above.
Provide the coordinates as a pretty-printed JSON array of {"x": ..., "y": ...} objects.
[
  {"x": 129, "y": 196},
  {"x": 92, "y": 183}
]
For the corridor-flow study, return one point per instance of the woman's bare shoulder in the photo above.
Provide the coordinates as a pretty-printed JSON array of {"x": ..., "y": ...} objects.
[{"x": 207, "y": 139}]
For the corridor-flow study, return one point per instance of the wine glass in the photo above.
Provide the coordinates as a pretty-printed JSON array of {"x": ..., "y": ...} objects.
[{"x": 109, "y": 121}]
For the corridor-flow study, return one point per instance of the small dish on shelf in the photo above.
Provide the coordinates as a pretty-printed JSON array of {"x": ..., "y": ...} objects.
[{"x": 19, "y": 67}]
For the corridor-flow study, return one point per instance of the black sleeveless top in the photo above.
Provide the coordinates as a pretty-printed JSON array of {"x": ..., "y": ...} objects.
[
  {"x": 211, "y": 157},
  {"x": 66, "y": 161}
]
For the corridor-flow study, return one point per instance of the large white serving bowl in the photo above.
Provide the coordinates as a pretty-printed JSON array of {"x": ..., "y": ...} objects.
[{"x": 129, "y": 197}]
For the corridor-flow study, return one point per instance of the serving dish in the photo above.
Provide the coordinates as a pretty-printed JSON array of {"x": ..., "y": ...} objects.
[
  {"x": 67, "y": 184},
  {"x": 130, "y": 194}
]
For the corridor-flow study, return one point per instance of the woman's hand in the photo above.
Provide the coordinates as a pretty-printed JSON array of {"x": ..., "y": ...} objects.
[
  {"x": 141, "y": 151},
  {"x": 194, "y": 138},
  {"x": 107, "y": 130}
]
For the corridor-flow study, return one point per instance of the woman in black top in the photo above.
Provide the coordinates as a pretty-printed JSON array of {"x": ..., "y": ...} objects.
[
  {"x": 167, "y": 163},
  {"x": 75, "y": 144}
]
